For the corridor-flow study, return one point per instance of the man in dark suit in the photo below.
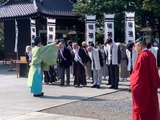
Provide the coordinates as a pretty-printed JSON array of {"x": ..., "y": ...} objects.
[
  {"x": 79, "y": 63},
  {"x": 113, "y": 60},
  {"x": 65, "y": 61},
  {"x": 88, "y": 64}
]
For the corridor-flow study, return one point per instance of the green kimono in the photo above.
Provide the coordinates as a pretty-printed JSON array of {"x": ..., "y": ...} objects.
[{"x": 46, "y": 55}]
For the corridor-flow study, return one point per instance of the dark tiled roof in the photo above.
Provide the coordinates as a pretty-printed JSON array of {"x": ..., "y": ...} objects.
[
  {"x": 48, "y": 7},
  {"x": 57, "y": 7},
  {"x": 15, "y": 10}
]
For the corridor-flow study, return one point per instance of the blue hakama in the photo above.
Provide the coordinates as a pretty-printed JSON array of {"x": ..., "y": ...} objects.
[{"x": 36, "y": 87}]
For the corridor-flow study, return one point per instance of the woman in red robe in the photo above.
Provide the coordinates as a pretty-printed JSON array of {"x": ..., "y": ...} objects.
[{"x": 144, "y": 84}]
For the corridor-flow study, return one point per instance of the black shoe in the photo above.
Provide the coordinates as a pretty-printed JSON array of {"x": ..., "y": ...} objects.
[
  {"x": 38, "y": 95},
  {"x": 98, "y": 86},
  {"x": 46, "y": 83},
  {"x": 129, "y": 89},
  {"x": 61, "y": 84},
  {"x": 108, "y": 84},
  {"x": 116, "y": 87},
  {"x": 94, "y": 86},
  {"x": 78, "y": 86},
  {"x": 50, "y": 83},
  {"x": 112, "y": 87}
]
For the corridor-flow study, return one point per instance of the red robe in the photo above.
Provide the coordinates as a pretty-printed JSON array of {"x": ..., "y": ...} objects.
[{"x": 144, "y": 82}]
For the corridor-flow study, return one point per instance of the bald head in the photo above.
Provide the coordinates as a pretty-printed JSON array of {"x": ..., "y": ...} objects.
[
  {"x": 75, "y": 46},
  {"x": 90, "y": 49},
  {"x": 84, "y": 43}
]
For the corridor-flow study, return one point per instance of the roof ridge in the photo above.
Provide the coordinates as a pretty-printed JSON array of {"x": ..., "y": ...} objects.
[
  {"x": 20, "y": 10},
  {"x": 6, "y": 3},
  {"x": 70, "y": 1},
  {"x": 35, "y": 5}
]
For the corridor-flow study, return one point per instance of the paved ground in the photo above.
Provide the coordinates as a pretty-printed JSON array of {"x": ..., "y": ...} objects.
[
  {"x": 16, "y": 103},
  {"x": 114, "y": 106}
]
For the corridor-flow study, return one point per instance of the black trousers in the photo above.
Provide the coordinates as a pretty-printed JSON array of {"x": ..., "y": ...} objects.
[
  {"x": 114, "y": 75},
  {"x": 109, "y": 74},
  {"x": 64, "y": 70},
  {"x": 52, "y": 74},
  {"x": 46, "y": 77}
]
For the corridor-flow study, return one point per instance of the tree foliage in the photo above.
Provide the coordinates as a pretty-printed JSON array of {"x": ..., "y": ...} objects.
[
  {"x": 98, "y": 7},
  {"x": 145, "y": 10},
  {"x": 153, "y": 6},
  {"x": 1, "y": 1}
]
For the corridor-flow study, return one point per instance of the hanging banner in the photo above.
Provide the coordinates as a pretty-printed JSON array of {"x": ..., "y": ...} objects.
[
  {"x": 90, "y": 28},
  {"x": 51, "y": 30},
  {"x": 108, "y": 26},
  {"x": 16, "y": 37},
  {"x": 33, "y": 30},
  {"x": 129, "y": 27}
]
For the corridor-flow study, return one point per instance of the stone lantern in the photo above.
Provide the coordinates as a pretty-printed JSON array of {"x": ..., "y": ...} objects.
[
  {"x": 147, "y": 32},
  {"x": 73, "y": 34}
]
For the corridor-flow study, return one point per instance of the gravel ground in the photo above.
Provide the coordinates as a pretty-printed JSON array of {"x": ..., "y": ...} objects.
[{"x": 115, "y": 106}]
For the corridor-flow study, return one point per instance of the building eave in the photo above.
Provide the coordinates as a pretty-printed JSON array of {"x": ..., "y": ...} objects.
[{"x": 24, "y": 9}]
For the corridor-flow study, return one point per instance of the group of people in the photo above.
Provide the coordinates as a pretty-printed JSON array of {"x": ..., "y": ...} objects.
[
  {"x": 89, "y": 61},
  {"x": 138, "y": 60}
]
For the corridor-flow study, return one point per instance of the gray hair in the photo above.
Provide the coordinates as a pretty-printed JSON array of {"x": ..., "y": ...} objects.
[
  {"x": 142, "y": 41},
  {"x": 27, "y": 48}
]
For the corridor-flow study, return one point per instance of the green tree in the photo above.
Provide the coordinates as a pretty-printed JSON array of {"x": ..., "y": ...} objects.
[
  {"x": 153, "y": 6},
  {"x": 2, "y": 1}
]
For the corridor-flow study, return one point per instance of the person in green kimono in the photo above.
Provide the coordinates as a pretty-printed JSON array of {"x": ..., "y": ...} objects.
[{"x": 40, "y": 54}]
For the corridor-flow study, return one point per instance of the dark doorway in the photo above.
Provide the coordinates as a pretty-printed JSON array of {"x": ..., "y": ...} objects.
[{"x": 43, "y": 38}]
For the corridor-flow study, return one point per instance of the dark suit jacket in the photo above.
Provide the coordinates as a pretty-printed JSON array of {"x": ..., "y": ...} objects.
[
  {"x": 87, "y": 56},
  {"x": 100, "y": 58},
  {"x": 158, "y": 57},
  {"x": 78, "y": 66},
  {"x": 67, "y": 55},
  {"x": 119, "y": 55},
  {"x": 83, "y": 55},
  {"x": 27, "y": 58}
]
